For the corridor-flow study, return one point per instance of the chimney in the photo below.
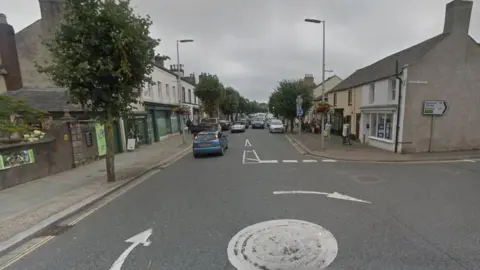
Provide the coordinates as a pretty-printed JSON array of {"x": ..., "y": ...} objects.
[
  {"x": 309, "y": 80},
  {"x": 457, "y": 17},
  {"x": 9, "y": 55},
  {"x": 177, "y": 69},
  {"x": 51, "y": 11}
]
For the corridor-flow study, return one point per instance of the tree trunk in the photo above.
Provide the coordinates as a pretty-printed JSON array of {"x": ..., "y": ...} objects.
[{"x": 110, "y": 157}]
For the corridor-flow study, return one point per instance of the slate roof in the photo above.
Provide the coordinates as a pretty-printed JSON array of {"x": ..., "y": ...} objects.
[
  {"x": 328, "y": 91},
  {"x": 47, "y": 100},
  {"x": 386, "y": 67}
]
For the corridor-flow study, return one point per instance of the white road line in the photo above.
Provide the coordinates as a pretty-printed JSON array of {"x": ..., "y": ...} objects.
[
  {"x": 256, "y": 155},
  {"x": 268, "y": 161},
  {"x": 243, "y": 159},
  {"x": 300, "y": 192},
  {"x": 329, "y": 160},
  {"x": 469, "y": 160},
  {"x": 290, "y": 161},
  {"x": 309, "y": 161}
]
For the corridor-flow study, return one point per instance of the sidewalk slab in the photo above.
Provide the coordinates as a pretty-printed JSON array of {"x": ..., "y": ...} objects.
[
  {"x": 29, "y": 208},
  {"x": 334, "y": 149}
]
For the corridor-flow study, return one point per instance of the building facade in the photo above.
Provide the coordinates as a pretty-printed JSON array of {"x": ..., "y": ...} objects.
[{"x": 346, "y": 104}]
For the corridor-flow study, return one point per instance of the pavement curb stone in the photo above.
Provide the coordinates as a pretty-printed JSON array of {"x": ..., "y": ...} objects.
[
  {"x": 305, "y": 151},
  {"x": 22, "y": 237}
]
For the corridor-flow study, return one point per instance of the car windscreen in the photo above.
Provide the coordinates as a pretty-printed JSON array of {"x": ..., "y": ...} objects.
[
  {"x": 239, "y": 123},
  {"x": 205, "y": 137},
  {"x": 275, "y": 122}
]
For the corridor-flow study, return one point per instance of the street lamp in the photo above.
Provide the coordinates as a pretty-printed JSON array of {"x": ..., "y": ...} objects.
[
  {"x": 179, "y": 83},
  {"x": 323, "y": 75}
]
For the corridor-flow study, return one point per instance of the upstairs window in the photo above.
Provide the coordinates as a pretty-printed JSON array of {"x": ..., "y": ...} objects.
[
  {"x": 393, "y": 89},
  {"x": 372, "y": 93},
  {"x": 350, "y": 97},
  {"x": 159, "y": 90},
  {"x": 334, "y": 99}
]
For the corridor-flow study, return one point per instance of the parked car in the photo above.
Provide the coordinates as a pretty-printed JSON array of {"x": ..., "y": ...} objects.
[
  {"x": 245, "y": 122},
  {"x": 225, "y": 125},
  {"x": 258, "y": 123},
  {"x": 276, "y": 126},
  {"x": 204, "y": 126},
  {"x": 209, "y": 142},
  {"x": 238, "y": 126}
]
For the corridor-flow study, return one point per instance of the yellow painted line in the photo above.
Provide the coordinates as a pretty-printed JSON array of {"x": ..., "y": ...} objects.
[{"x": 25, "y": 252}]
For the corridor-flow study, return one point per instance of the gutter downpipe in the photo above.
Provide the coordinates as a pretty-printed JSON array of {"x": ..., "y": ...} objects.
[{"x": 397, "y": 75}]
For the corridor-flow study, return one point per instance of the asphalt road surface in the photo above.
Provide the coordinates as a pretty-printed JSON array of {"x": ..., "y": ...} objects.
[{"x": 411, "y": 216}]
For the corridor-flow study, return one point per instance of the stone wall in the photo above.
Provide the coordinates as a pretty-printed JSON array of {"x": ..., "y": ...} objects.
[
  {"x": 52, "y": 155},
  {"x": 84, "y": 143}
]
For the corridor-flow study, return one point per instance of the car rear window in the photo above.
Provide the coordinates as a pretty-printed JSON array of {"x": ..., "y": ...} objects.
[{"x": 206, "y": 137}]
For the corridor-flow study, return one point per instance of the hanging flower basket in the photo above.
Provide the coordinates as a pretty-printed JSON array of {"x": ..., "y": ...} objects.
[
  {"x": 323, "y": 108},
  {"x": 181, "y": 111}
]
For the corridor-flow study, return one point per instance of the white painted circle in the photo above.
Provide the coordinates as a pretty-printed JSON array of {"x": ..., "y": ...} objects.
[{"x": 282, "y": 244}]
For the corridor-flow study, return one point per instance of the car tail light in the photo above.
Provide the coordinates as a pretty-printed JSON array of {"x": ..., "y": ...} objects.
[
  {"x": 195, "y": 137},
  {"x": 216, "y": 136}
]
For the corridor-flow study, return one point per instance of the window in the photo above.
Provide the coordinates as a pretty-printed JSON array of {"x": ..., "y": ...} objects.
[
  {"x": 190, "y": 95},
  {"x": 334, "y": 99},
  {"x": 372, "y": 92},
  {"x": 174, "y": 95},
  {"x": 195, "y": 99},
  {"x": 349, "y": 97},
  {"x": 381, "y": 126},
  {"x": 183, "y": 94},
  {"x": 167, "y": 90},
  {"x": 148, "y": 92},
  {"x": 159, "y": 90},
  {"x": 393, "y": 88}
]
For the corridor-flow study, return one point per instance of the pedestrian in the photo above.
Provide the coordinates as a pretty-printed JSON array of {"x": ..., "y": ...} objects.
[
  {"x": 328, "y": 128},
  {"x": 346, "y": 133}
]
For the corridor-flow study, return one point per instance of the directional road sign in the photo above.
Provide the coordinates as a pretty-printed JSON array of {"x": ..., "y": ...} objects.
[
  {"x": 299, "y": 112},
  {"x": 434, "y": 107}
]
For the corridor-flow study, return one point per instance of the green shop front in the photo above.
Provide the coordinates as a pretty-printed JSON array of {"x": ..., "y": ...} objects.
[
  {"x": 139, "y": 127},
  {"x": 163, "y": 120}
]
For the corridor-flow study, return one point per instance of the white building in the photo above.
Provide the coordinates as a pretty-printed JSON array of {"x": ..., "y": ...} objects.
[{"x": 155, "y": 118}]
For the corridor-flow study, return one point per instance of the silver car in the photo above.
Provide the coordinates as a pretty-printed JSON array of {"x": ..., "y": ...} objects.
[
  {"x": 238, "y": 127},
  {"x": 276, "y": 126}
]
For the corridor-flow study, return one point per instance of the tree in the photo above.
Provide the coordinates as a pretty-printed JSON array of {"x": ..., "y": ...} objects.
[
  {"x": 102, "y": 54},
  {"x": 15, "y": 116},
  {"x": 283, "y": 100},
  {"x": 209, "y": 90},
  {"x": 230, "y": 102}
]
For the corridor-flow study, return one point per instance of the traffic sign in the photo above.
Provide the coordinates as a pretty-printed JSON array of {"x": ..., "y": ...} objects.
[
  {"x": 299, "y": 112},
  {"x": 434, "y": 107}
]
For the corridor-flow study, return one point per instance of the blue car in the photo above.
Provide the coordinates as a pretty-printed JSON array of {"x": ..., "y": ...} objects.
[{"x": 209, "y": 142}]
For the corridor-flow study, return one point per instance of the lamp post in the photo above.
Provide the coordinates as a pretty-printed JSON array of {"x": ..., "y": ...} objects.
[
  {"x": 179, "y": 83},
  {"x": 323, "y": 75}
]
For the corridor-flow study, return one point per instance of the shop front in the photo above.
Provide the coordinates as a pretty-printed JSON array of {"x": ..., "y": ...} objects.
[
  {"x": 377, "y": 127},
  {"x": 137, "y": 128},
  {"x": 161, "y": 116}
]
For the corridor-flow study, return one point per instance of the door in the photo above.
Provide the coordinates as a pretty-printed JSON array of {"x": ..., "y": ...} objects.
[{"x": 357, "y": 126}]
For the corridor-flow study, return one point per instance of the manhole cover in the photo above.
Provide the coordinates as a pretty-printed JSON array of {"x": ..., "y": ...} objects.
[
  {"x": 282, "y": 244},
  {"x": 366, "y": 179},
  {"x": 56, "y": 230}
]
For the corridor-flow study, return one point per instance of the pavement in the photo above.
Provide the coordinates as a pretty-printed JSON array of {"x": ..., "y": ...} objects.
[
  {"x": 310, "y": 143},
  {"x": 245, "y": 211},
  {"x": 29, "y": 208}
]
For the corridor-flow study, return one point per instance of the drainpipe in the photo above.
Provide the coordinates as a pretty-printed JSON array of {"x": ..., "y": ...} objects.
[{"x": 397, "y": 75}]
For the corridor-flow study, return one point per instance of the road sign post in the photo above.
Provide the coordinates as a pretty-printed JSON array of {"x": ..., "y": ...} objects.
[
  {"x": 299, "y": 113},
  {"x": 434, "y": 107}
]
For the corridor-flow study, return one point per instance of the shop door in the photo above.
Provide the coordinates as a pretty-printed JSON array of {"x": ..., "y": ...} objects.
[{"x": 357, "y": 126}]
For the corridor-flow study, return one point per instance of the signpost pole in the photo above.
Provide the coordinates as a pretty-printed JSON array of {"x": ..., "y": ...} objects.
[{"x": 299, "y": 113}]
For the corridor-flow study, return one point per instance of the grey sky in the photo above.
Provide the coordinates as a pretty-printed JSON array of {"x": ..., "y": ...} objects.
[{"x": 252, "y": 44}]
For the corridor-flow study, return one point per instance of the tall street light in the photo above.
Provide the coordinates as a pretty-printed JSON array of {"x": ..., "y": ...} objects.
[
  {"x": 323, "y": 75},
  {"x": 179, "y": 83}
]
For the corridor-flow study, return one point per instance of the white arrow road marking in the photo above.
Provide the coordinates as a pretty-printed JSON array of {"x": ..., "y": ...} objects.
[
  {"x": 247, "y": 143},
  {"x": 334, "y": 195},
  {"x": 141, "y": 238}
]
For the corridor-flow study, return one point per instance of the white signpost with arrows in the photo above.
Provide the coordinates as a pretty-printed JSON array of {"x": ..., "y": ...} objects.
[
  {"x": 434, "y": 107},
  {"x": 139, "y": 239}
]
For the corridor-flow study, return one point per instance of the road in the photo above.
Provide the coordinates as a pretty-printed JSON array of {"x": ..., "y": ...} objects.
[{"x": 414, "y": 216}]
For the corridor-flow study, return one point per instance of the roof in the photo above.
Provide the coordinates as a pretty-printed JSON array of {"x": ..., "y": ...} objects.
[
  {"x": 319, "y": 98},
  {"x": 386, "y": 67},
  {"x": 47, "y": 100},
  {"x": 172, "y": 73},
  {"x": 329, "y": 78}
]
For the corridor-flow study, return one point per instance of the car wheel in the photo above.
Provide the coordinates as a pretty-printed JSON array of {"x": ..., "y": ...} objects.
[
  {"x": 222, "y": 151},
  {"x": 195, "y": 155}
]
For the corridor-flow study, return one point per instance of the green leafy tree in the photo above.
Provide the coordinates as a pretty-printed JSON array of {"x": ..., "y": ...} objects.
[
  {"x": 230, "y": 102},
  {"x": 15, "y": 115},
  {"x": 102, "y": 54},
  {"x": 283, "y": 100},
  {"x": 210, "y": 91}
]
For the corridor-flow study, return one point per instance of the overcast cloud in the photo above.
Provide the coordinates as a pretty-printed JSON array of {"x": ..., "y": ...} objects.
[{"x": 252, "y": 44}]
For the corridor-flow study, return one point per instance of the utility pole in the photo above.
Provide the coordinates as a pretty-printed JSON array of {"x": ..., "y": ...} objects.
[
  {"x": 323, "y": 78},
  {"x": 179, "y": 85}
]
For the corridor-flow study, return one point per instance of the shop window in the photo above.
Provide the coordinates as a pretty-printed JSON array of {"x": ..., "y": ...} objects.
[{"x": 381, "y": 125}]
